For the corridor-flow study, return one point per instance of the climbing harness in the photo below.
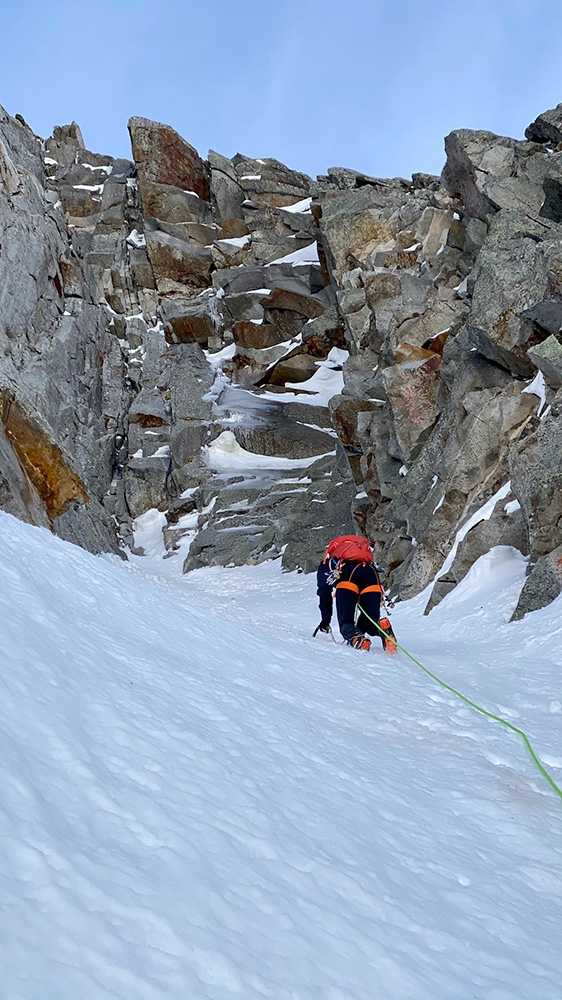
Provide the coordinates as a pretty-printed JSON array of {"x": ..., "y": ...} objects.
[{"x": 478, "y": 708}]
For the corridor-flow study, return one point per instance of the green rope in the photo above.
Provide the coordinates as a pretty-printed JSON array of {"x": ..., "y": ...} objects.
[{"x": 467, "y": 701}]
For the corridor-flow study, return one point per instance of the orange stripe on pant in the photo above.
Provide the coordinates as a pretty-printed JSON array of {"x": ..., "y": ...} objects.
[
  {"x": 374, "y": 589},
  {"x": 345, "y": 585}
]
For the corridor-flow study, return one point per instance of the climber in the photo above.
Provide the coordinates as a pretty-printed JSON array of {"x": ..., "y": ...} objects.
[{"x": 348, "y": 566}]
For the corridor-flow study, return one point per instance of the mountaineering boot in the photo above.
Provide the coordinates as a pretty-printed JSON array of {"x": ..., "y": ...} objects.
[
  {"x": 390, "y": 642},
  {"x": 360, "y": 642}
]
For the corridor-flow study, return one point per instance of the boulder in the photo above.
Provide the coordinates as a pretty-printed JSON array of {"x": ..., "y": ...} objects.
[
  {"x": 344, "y": 411},
  {"x": 227, "y": 195},
  {"x": 285, "y": 438},
  {"x": 304, "y": 305},
  {"x": 353, "y": 225},
  {"x": 489, "y": 172},
  {"x": 65, "y": 144},
  {"x": 163, "y": 157},
  {"x": 434, "y": 230},
  {"x": 188, "y": 437},
  {"x": 547, "y": 357},
  {"x": 258, "y": 335},
  {"x": 187, "y": 380},
  {"x": 304, "y": 280},
  {"x": 546, "y": 315},
  {"x": 443, "y": 311},
  {"x": 172, "y": 205},
  {"x": 149, "y": 409},
  {"x": 292, "y": 368},
  {"x": 148, "y": 483},
  {"x": 193, "y": 320},
  {"x": 321, "y": 334},
  {"x": 242, "y": 307},
  {"x": 80, "y": 203},
  {"x": 547, "y": 127},
  {"x": 270, "y": 183},
  {"x": 543, "y": 584},
  {"x": 178, "y": 265}
]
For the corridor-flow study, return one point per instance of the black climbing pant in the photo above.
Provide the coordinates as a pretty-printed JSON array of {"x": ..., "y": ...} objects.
[{"x": 358, "y": 584}]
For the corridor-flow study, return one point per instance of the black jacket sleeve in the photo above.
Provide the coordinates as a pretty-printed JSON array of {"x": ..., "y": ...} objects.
[{"x": 324, "y": 593}]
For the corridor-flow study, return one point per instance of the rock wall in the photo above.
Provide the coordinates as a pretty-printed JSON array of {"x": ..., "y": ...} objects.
[
  {"x": 272, "y": 360},
  {"x": 450, "y": 293},
  {"x": 158, "y": 319}
]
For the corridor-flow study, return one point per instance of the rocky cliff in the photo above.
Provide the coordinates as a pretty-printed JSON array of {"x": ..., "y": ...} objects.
[{"x": 272, "y": 360}]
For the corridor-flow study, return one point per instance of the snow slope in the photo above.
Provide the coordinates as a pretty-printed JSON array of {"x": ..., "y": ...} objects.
[{"x": 200, "y": 801}]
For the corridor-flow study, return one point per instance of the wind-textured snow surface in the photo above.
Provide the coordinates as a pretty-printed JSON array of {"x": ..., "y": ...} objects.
[{"x": 201, "y": 801}]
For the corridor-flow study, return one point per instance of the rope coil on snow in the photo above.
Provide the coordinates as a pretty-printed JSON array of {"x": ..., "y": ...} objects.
[{"x": 478, "y": 708}]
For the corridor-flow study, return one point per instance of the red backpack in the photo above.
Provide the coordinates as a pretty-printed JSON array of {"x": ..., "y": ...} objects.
[{"x": 352, "y": 547}]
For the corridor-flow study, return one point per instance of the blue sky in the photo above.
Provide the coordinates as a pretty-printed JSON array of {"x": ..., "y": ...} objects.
[{"x": 316, "y": 83}]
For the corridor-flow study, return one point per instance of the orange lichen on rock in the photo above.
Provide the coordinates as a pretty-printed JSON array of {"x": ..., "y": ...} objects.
[{"x": 43, "y": 461}]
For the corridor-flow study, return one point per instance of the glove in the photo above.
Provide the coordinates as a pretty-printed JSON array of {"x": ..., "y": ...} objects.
[{"x": 322, "y": 627}]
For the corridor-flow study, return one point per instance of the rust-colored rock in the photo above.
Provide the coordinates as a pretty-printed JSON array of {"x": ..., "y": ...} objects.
[
  {"x": 412, "y": 389},
  {"x": 381, "y": 285},
  {"x": 402, "y": 259},
  {"x": 190, "y": 329},
  {"x": 345, "y": 411},
  {"x": 79, "y": 203},
  {"x": 163, "y": 157},
  {"x": 437, "y": 343},
  {"x": 232, "y": 229},
  {"x": 43, "y": 461},
  {"x": 178, "y": 265},
  {"x": 293, "y": 368},
  {"x": 256, "y": 336},
  {"x": 409, "y": 352}
]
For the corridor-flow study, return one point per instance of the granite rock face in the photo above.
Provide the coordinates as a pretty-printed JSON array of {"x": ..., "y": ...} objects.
[
  {"x": 271, "y": 360},
  {"x": 449, "y": 290},
  {"x": 148, "y": 307}
]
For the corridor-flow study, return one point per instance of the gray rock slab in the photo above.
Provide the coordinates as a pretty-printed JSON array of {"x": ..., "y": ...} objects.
[
  {"x": 148, "y": 483},
  {"x": 535, "y": 465},
  {"x": 543, "y": 584},
  {"x": 500, "y": 529},
  {"x": 547, "y": 356},
  {"x": 91, "y": 527},
  {"x": 489, "y": 172},
  {"x": 546, "y": 315},
  {"x": 303, "y": 280}
]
